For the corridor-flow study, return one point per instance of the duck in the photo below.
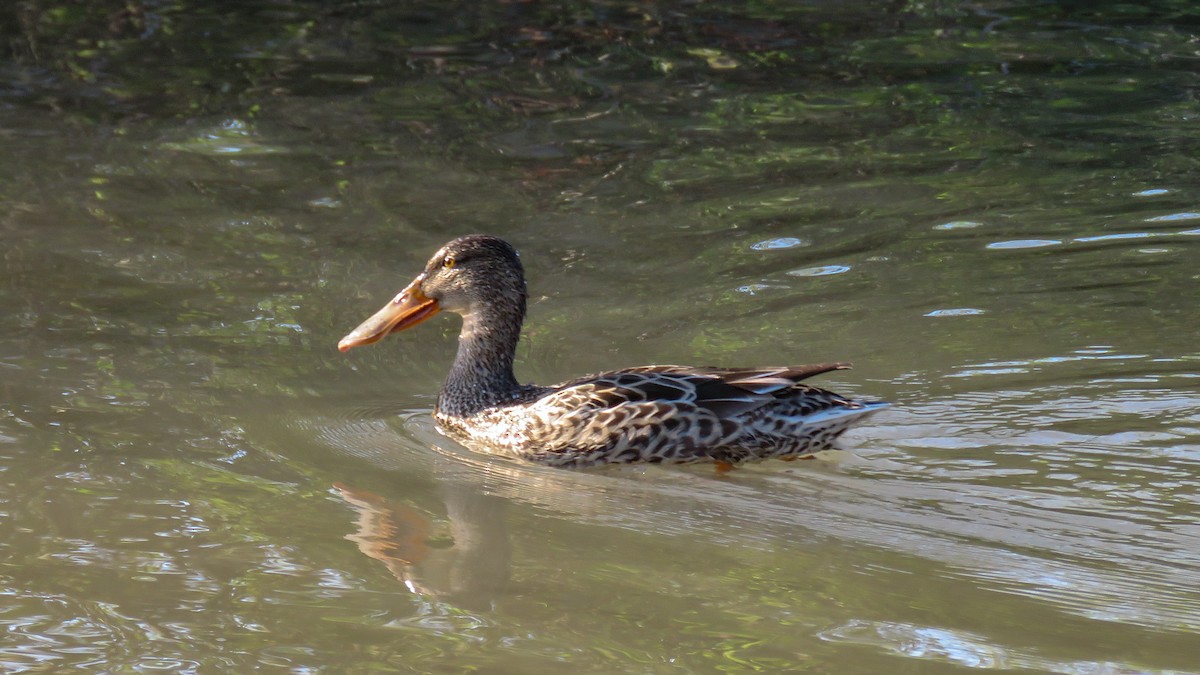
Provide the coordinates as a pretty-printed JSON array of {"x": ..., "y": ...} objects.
[{"x": 647, "y": 414}]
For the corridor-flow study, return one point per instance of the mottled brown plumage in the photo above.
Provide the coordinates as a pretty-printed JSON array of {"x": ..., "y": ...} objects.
[{"x": 672, "y": 414}]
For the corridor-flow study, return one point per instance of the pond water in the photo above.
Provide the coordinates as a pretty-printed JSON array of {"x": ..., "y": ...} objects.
[{"x": 990, "y": 208}]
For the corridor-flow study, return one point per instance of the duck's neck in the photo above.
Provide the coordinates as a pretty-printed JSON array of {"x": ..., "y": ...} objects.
[{"x": 482, "y": 374}]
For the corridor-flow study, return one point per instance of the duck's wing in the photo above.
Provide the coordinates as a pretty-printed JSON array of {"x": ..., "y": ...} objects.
[
  {"x": 651, "y": 407},
  {"x": 772, "y": 380},
  {"x": 724, "y": 392}
]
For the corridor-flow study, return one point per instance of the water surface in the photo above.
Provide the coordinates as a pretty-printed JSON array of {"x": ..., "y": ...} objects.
[{"x": 991, "y": 209}]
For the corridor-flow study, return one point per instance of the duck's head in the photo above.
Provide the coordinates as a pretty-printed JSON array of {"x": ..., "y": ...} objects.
[{"x": 472, "y": 276}]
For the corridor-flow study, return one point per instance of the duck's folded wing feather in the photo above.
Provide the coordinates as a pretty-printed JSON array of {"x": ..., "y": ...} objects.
[
  {"x": 723, "y": 392},
  {"x": 644, "y": 410}
]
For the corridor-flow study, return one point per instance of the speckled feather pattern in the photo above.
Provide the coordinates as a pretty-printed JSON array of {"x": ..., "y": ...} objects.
[{"x": 667, "y": 414}]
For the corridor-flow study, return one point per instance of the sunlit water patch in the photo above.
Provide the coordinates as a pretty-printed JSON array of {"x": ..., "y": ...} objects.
[
  {"x": 820, "y": 271},
  {"x": 231, "y": 137},
  {"x": 778, "y": 243},
  {"x": 956, "y": 311},
  {"x": 961, "y": 648},
  {"x": 1024, "y": 243},
  {"x": 958, "y": 225},
  {"x": 1175, "y": 217}
]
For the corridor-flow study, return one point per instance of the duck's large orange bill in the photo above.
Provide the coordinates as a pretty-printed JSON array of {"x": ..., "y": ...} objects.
[{"x": 406, "y": 310}]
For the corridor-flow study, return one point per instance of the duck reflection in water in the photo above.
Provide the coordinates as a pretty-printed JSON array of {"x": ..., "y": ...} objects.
[{"x": 469, "y": 572}]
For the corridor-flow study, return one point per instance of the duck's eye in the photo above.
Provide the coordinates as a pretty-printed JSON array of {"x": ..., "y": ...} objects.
[{"x": 448, "y": 263}]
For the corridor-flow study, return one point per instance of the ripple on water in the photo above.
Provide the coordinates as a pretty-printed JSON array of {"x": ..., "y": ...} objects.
[
  {"x": 958, "y": 225},
  {"x": 231, "y": 137},
  {"x": 951, "y": 646},
  {"x": 1101, "y": 238},
  {"x": 755, "y": 289},
  {"x": 1116, "y": 237},
  {"x": 1078, "y": 542},
  {"x": 956, "y": 311},
  {"x": 1023, "y": 243},
  {"x": 1174, "y": 217}
]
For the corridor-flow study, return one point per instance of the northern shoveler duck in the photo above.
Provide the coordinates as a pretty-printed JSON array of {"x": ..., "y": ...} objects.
[{"x": 669, "y": 414}]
